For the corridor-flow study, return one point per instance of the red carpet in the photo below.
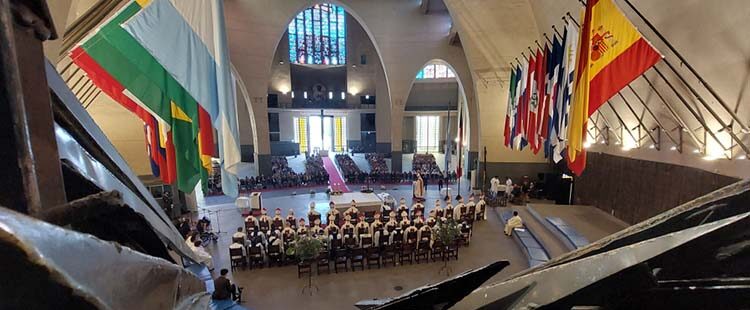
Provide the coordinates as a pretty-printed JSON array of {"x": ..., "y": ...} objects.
[{"x": 335, "y": 179}]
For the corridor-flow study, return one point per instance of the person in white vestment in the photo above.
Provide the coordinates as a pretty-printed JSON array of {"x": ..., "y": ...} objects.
[
  {"x": 202, "y": 255},
  {"x": 494, "y": 184},
  {"x": 418, "y": 188},
  {"x": 513, "y": 223},
  {"x": 508, "y": 188}
]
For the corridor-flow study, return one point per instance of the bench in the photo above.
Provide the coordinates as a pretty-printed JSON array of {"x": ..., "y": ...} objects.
[
  {"x": 569, "y": 234},
  {"x": 535, "y": 252}
]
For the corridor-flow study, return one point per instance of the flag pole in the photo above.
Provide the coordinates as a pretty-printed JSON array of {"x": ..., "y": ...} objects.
[{"x": 687, "y": 64}]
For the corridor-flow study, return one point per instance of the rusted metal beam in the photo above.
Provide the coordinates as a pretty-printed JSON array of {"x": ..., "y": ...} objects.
[{"x": 27, "y": 111}]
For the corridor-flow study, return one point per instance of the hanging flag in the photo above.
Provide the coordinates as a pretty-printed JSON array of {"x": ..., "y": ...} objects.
[
  {"x": 526, "y": 102},
  {"x": 611, "y": 54},
  {"x": 150, "y": 86},
  {"x": 188, "y": 38},
  {"x": 516, "y": 102},
  {"x": 541, "y": 120},
  {"x": 553, "y": 91},
  {"x": 537, "y": 79},
  {"x": 509, "y": 109},
  {"x": 570, "y": 38}
]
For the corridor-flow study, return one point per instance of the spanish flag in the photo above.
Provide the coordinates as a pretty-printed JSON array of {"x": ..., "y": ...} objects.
[{"x": 611, "y": 54}]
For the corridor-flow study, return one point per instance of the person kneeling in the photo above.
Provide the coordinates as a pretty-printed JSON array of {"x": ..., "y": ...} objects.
[
  {"x": 513, "y": 223},
  {"x": 224, "y": 289}
]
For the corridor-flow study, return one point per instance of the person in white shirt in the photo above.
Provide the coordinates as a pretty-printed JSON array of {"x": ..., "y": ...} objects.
[
  {"x": 494, "y": 184},
  {"x": 236, "y": 245},
  {"x": 239, "y": 234},
  {"x": 481, "y": 209},
  {"x": 508, "y": 188},
  {"x": 202, "y": 255},
  {"x": 513, "y": 222}
]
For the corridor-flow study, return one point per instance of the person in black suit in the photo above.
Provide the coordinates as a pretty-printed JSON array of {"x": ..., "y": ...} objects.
[{"x": 223, "y": 288}]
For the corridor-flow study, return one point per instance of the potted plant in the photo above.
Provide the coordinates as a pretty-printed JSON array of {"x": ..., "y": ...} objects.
[
  {"x": 447, "y": 233},
  {"x": 306, "y": 249}
]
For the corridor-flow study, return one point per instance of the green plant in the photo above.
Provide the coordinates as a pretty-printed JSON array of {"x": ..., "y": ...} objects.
[
  {"x": 305, "y": 248},
  {"x": 447, "y": 232}
]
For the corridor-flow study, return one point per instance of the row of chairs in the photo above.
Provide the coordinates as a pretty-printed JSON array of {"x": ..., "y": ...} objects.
[{"x": 358, "y": 257}]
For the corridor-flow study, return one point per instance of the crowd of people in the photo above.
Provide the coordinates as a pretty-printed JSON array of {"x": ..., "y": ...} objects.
[
  {"x": 348, "y": 167},
  {"x": 425, "y": 164},
  {"x": 377, "y": 163},
  {"x": 284, "y": 177},
  {"x": 264, "y": 239}
]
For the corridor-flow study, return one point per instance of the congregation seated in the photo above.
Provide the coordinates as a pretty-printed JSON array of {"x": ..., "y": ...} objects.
[
  {"x": 425, "y": 165},
  {"x": 407, "y": 235},
  {"x": 348, "y": 167},
  {"x": 315, "y": 170}
]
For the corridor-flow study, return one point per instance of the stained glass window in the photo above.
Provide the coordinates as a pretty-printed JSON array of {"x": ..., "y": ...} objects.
[
  {"x": 318, "y": 36},
  {"x": 435, "y": 71}
]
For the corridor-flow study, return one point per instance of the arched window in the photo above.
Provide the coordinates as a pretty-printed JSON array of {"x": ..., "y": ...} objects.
[
  {"x": 435, "y": 71},
  {"x": 318, "y": 36}
]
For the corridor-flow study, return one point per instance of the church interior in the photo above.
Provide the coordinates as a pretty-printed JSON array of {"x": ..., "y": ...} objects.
[{"x": 360, "y": 154}]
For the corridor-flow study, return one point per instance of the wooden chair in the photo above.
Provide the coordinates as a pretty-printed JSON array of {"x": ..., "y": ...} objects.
[
  {"x": 369, "y": 216},
  {"x": 366, "y": 242},
  {"x": 249, "y": 226},
  {"x": 277, "y": 225},
  {"x": 437, "y": 251},
  {"x": 303, "y": 268},
  {"x": 357, "y": 258},
  {"x": 479, "y": 216},
  {"x": 335, "y": 244},
  {"x": 451, "y": 251},
  {"x": 350, "y": 242},
  {"x": 275, "y": 255},
  {"x": 407, "y": 253},
  {"x": 389, "y": 255},
  {"x": 373, "y": 257},
  {"x": 256, "y": 256},
  {"x": 238, "y": 240},
  {"x": 411, "y": 237},
  {"x": 423, "y": 251},
  {"x": 236, "y": 258},
  {"x": 340, "y": 258},
  {"x": 323, "y": 263},
  {"x": 398, "y": 238},
  {"x": 264, "y": 226}
]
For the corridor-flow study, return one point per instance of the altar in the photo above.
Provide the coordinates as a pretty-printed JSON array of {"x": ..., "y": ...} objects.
[{"x": 366, "y": 202}]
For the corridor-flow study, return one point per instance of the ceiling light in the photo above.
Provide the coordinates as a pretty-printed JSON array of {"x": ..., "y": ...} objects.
[
  {"x": 742, "y": 157},
  {"x": 696, "y": 151},
  {"x": 709, "y": 157},
  {"x": 652, "y": 146},
  {"x": 674, "y": 148}
]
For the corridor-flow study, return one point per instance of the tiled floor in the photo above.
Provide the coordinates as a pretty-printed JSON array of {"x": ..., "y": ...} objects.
[{"x": 279, "y": 287}]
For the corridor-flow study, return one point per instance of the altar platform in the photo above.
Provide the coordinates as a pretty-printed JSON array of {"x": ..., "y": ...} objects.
[{"x": 366, "y": 202}]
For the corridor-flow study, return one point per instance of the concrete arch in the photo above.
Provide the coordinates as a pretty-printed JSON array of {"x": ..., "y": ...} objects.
[
  {"x": 461, "y": 79},
  {"x": 306, "y": 4}
]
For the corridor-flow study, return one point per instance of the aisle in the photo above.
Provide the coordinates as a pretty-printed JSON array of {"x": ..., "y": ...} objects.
[{"x": 335, "y": 179}]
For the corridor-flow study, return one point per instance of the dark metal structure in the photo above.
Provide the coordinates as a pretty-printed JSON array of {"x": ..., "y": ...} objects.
[{"x": 78, "y": 230}]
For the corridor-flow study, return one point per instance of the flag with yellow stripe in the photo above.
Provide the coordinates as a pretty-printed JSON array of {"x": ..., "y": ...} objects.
[{"x": 611, "y": 54}]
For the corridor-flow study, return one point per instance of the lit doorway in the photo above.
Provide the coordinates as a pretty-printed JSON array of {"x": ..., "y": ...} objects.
[{"x": 321, "y": 133}]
